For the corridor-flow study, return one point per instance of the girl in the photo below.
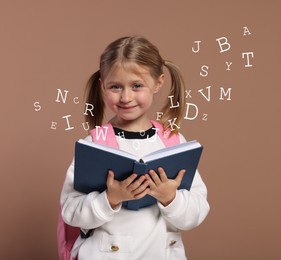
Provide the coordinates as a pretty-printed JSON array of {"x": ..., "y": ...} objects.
[{"x": 130, "y": 74}]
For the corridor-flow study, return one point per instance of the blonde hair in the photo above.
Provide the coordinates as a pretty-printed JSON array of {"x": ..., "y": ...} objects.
[{"x": 140, "y": 50}]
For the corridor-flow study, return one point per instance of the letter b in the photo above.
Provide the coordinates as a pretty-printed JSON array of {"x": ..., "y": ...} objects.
[{"x": 224, "y": 43}]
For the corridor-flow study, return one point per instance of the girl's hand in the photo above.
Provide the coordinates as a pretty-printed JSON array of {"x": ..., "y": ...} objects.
[
  {"x": 162, "y": 188},
  {"x": 128, "y": 189}
]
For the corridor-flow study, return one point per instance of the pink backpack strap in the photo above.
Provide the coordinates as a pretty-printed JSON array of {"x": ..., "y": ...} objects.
[
  {"x": 164, "y": 135},
  {"x": 66, "y": 237},
  {"x": 104, "y": 135}
]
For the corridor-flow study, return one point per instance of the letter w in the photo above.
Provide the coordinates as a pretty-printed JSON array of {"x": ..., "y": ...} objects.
[{"x": 101, "y": 131}]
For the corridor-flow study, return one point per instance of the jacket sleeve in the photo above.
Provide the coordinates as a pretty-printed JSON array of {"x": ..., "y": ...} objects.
[
  {"x": 189, "y": 208},
  {"x": 84, "y": 210}
]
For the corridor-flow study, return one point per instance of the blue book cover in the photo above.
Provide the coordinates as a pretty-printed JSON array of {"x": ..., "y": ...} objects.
[{"x": 93, "y": 161}]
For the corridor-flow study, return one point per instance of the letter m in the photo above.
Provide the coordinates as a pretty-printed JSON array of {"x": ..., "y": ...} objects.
[{"x": 225, "y": 93}]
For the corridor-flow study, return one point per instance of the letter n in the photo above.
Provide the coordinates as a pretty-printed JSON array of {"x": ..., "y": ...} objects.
[{"x": 63, "y": 98}]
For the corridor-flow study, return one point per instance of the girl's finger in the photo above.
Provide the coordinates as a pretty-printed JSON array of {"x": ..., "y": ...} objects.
[
  {"x": 150, "y": 181},
  {"x": 136, "y": 184},
  {"x": 162, "y": 174},
  {"x": 130, "y": 179},
  {"x": 110, "y": 178},
  {"x": 179, "y": 177},
  {"x": 141, "y": 188},
  {"x": 155, "y": 177},
  {"x": 142, "y": 194}
]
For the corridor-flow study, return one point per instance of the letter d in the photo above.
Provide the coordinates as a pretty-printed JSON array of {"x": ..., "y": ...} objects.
[{"x": 187, "y": 111}]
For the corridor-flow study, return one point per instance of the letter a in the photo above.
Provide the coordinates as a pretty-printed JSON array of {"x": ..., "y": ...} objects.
[{"x": 246, "y": 31}]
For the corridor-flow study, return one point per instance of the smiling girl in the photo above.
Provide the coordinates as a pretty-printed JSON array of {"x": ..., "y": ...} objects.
[{"x": 129, "y": 77}]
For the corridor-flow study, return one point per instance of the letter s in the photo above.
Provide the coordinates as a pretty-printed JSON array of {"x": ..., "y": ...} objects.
[{"x": 37, "y": 106}]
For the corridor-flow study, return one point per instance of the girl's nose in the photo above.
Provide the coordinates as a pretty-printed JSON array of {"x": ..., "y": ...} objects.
[{"x": 126, "y": 96}]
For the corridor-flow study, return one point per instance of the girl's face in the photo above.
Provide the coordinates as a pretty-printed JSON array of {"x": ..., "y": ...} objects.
[{"x": 128, "y": 92}]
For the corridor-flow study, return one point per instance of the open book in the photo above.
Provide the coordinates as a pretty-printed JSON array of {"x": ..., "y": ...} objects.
[{"x": 93, "y": 161}]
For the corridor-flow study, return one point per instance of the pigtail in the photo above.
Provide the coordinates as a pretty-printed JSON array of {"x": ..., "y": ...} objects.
[
  {"x": 178, "y": 93},
  {"x": 94, "y": 97}
]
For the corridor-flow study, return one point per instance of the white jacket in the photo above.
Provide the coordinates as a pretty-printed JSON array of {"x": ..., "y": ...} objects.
[{"x": 149, "y": 233}]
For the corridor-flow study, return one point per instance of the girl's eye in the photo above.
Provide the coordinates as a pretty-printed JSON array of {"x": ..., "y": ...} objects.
[
  {"x": 115, "y": 87},
  {"x": 137, "y": 85}
]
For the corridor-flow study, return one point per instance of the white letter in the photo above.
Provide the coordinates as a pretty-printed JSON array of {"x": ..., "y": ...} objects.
[
  {"x": 225, "y": 93},
  {"x": 87, "y": 124},
  {"x": 87, "y": 109},
  {"x": 62, "y": 97},
  {"x": 224, "y": 43},
  {"x": 205, "y": 67},
  {"x": 228, "y": 64},
  {"x": 54, "y": 125},
  {"x": 246, "y": 31},
  {"x": 166, "y": 134},
  {"x": 247, "y": 55},
  {"x": 204, "y": 117},
  {"x": 136, "y": 144},
  {"x": 198, "y": 48},
  {"x": 172, "y": 105},
  {"x": 188, "y": 94},
  {"x": 67, "y": 121},
  {"x": 208, "y": 98},
  {"x": 101, "y": 132},
  {"x": 152, "y": 139},
  {"x": 159, "y": 115},
  {"x": 173, "y": 123},
  {"x": 37, "y": 106},
  {"x": 187, "y": 110},
  {"x": 121, "y": 136},
  {"x": 75, "y": 102}
]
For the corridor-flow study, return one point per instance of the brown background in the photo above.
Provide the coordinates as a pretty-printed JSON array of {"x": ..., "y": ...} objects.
[{"x": 46, "y": 45}]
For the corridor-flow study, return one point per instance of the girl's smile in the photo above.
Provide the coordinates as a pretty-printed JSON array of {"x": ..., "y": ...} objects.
[{"x": 127, "y": 107}]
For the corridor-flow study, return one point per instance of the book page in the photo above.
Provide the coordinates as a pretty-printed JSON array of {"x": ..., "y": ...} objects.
[
  {"x": 171, "y": 150},
  {"x": 108, "y": 149}
]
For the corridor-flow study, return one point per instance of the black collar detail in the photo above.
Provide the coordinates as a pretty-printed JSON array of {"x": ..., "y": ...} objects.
[{"x": 134, "y": 135}]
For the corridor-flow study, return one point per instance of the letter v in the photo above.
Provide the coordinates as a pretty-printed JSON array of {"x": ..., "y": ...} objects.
[{"x": 208, "y": 98}]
